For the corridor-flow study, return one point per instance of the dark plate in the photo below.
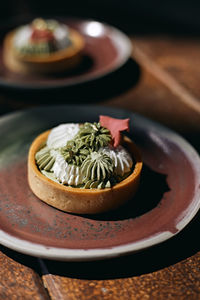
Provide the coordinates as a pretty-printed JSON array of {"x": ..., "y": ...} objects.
[
  {"x": 167, "y": 199},
  {"x": 106, "y": 50}
]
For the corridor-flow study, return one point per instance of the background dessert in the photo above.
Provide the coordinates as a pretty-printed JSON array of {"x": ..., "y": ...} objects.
[{"x": 43, "y": 46}]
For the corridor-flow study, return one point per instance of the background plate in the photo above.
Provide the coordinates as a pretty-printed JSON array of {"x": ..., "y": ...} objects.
[
  {"x": 106, "y": 50},
  {"x": 168, "y": 197}
]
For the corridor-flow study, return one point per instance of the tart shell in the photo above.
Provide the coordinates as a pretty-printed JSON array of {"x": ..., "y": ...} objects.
[
  {"x": 78, "y": 200},
  {"x": 61, "y": 60}
]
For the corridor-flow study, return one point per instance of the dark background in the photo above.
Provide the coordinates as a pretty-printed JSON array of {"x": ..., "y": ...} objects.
[{"x": 139, "y": 16}]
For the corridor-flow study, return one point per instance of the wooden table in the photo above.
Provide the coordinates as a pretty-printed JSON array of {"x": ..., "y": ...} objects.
[{"x": 168, "y": 91}]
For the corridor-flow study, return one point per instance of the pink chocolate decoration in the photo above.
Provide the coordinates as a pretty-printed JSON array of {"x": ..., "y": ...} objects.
[
  {"x": 41, "y": 35},
  {"x": 115, "y": 126}
]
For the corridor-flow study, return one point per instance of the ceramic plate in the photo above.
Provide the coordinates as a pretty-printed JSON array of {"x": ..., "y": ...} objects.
[
  {"x": 106, "y": 49},
  {"x": 167, "y": 199}
]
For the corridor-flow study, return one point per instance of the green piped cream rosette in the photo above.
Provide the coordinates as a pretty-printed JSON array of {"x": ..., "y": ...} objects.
[{"x": 82, "y": 156}]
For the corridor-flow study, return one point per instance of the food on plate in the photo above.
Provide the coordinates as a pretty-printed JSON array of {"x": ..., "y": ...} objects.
[
  {"x": 85, "y": 168},
  {"x": 43, "y": 46}
]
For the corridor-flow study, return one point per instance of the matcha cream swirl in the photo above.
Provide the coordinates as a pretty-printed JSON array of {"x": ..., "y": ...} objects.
[{"x": 80, "y": 156}]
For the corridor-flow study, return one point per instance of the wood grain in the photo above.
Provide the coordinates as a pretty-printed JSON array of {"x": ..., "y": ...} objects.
[
  {"x": 168, "y": 91},
  {"x": 155, "y": 100},
  {"x": 177, "y": 56},
  {"x": 173, "y": 62},
  {"x": 179, "y": 281},
  {"x": 17, "y": 281}
]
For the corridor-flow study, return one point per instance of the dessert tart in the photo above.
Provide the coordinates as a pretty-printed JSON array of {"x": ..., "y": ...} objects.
[
  {"x": 85, "y": 168},
  {"x": 44, "y": 46}
]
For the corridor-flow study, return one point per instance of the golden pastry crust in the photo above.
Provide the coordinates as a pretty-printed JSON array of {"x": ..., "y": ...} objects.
[
  {"x": 57, "y": 61},
  {"x": 77, "y": 200}
]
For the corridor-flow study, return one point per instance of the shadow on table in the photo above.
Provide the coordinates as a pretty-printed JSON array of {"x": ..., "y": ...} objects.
[
  {"x": 100, "y": 89},
  {"x": 143, "y": 202}
]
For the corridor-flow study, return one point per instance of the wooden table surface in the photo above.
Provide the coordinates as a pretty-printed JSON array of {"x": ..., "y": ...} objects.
[{"x": 167, "y": 90}]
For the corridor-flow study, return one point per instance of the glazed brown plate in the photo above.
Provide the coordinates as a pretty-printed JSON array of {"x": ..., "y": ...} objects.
[
  {"x": 167, "y": 199},
  {"x": 106, "y": 49}
]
